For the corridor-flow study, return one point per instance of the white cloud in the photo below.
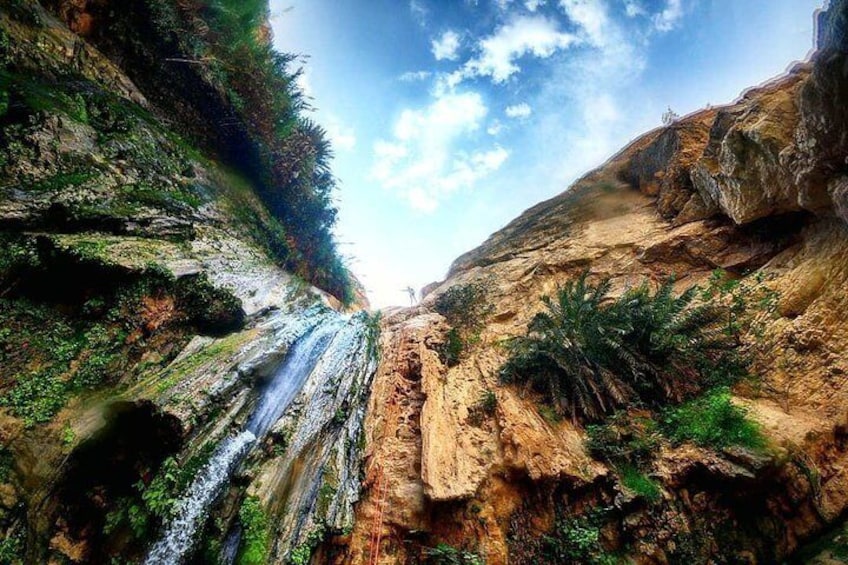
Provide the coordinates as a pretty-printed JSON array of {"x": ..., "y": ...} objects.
[
  {"x": 522, "y": 110},
  {"x": 342, "y": 137},
  {"x": 590, "y": 16},
  {"x": 424, "y": 162},
  {"x": 415, "y": 76},
  {"x": 536, "y": 35},
  {"x": 533, "y": 5},
  {"x": 304, "y": 83},
  {"x": 495, "y": 128},
  {"x": 419, "y": 12},
  {"x": 446, "y": 47},
  {"x": 668, "y": 18},
  {"x": 633, "y": 8}
]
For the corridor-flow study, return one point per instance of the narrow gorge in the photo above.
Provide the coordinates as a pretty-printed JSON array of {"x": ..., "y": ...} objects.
[{"x": 189, "y": 374}]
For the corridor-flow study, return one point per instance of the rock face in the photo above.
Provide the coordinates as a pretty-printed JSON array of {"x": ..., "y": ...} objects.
[{"x": 756, "y": 188}]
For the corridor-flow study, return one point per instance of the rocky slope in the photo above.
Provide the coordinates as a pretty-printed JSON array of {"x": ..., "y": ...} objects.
[
  {"x": 756, "y": 188},
  {"x": 146, "y": 296}
]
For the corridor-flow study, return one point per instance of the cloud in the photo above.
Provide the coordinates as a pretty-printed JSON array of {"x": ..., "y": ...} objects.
[
  {"x": 633, "y": 8},
  {"x": 668, "y": 18},
  {"x": 591, "y": 17},
  {"x": 524, "y": 35},
  {"x": 304, "y": 83},
  {"x": 425, "y": 162},
  {"x": 495, "y": 128},
  {"x": 342, "y": 137},
  {"x": 522, "y": 110},
  {"x": 419, "y": 12},
  {"x": 446, "y": 47},
  {"x": 415, "y": 76}
]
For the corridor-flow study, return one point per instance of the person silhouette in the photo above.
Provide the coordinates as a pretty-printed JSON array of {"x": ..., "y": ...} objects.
[{"x": 411, "y": 292}]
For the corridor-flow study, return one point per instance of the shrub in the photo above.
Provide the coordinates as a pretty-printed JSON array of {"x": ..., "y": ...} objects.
[
  {"x": 465, "y": 307},
  {"x": 444, "y": 554},
  {"x": 483, "y": 408},
  {"x": 712, "y": 421},
  {"x": 625, "y": 440},
  {"x": 588, "y": 355},
  {"x": 576, "y": 540}
]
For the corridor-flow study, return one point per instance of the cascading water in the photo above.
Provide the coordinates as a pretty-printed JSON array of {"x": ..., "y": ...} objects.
[{"x": 191, "y": 511}]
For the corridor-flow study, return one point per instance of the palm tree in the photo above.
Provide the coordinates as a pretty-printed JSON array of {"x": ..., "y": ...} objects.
[{"x": 588, "y": 355}]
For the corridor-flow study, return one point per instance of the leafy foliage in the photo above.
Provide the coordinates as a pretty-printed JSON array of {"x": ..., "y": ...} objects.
[
  {"x": 11, "y": 549},
  {"x": 256, "y": 538},
  {"x": 576, "y": 540},
  {"x": 587, "y": 354},
  {"x": 444, "y": 554},
  {"x": 292, "y": 159},
  {"x": 712, "y": 421},
  {"x": 302, "y": 554},
  {"x": 154, "y": 502},
  {"x": 483, "y": 408},
  {"x": 625, "y": 440},
  {"x": 465, "y": 307}
]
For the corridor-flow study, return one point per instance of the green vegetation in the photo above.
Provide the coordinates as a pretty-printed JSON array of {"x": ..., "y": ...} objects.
[
  {"x": 153, "y": 502},
  {"x": 302, "y": 554},
  {"x": 625, "y": 440},
  {"x": 639, "y": 483},
  {"x": 587, "y": 355},
  {"x": 712, "y": 421},
  {"x": 576, "y": 540},
  {"x": 7, "y": 462},
  {"x": 466, "y": 308},
  {"x": 372, "y": 333},
  {"x": 256, "y": 538},
  {"x": 288, "y": 157},
  {"x": 11, "y": 550},
  {"x": 50, "y": 352},
  {"x": 444, "y": 554},
  {"x": 41, "y": 346},
  {"x": 483, "y": 408}
]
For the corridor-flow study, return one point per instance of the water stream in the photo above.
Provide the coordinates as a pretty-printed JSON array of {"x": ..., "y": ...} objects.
[{"x": 192, "y": 510}]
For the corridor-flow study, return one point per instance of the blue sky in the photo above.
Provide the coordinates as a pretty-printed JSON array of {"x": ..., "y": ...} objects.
[{"x": 449, "y": 118}]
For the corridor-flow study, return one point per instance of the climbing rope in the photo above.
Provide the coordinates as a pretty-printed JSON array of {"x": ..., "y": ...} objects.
[{"x": 382, "y": 489}]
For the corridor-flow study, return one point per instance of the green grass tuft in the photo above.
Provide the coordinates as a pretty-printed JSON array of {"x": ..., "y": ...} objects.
[{"x": 712, "y": 421}]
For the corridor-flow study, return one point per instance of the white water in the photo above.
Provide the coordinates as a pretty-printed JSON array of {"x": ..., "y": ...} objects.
[{"x": 191, "y": 511}]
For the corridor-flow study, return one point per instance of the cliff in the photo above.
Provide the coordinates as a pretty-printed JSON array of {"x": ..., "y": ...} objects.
[
  {"x": 753, "y": 191},
  {"x": 160, "y": 247}
]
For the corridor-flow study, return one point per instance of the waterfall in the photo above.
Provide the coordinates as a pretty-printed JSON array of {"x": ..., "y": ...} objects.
[{"x": 191, "y": 510}]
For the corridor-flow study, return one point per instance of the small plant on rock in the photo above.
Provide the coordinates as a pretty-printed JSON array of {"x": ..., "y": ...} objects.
[{"x": 466, "y": 309}]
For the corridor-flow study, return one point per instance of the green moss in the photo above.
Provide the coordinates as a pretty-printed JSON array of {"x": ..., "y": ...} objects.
[
  {"x": 63, "y": 181},
  {"x": 257, "y": 533},
  {"x": 191, "y": 364}
]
